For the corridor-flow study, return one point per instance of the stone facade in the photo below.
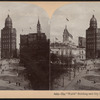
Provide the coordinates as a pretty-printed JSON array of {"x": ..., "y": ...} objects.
[
  {"x": 8, "y": 40},
  {"x": 82, "y": 42},
  {"x": 34, "y": 45},
  {"x": 93, "y": 40}
]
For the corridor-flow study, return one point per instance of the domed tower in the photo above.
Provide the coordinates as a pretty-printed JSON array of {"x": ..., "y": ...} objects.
[
  {"x": 92, "y": 40},
  {"x": 8, "y": 22},
  {"x": 8, "y": 40},
  {"x": 93, "y": 22}
]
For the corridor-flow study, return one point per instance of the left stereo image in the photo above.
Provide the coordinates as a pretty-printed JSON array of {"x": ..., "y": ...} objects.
[{"x": 24, "y": 47}]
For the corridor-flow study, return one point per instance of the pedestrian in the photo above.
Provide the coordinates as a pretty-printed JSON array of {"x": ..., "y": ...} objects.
[
  {"x": 16, "y": 83},
  {"x": 24, "y": 87},
  {"x": 86, "y": 71},
  {"x": 94, "y": 81},
  {"x": 19, "y": 84},
  {"x": 9, "y": 82},
  {"x": 79, "y": 81}
]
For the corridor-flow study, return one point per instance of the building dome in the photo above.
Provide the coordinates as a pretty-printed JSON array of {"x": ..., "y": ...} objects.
[
  {"x": 8, "y": 22},
  {"x": 8, "y": 19},
  {"x": 93, "y": 22}
]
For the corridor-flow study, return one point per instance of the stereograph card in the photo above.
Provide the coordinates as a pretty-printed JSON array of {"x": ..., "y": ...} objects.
[{"x": 49, "y": 49}]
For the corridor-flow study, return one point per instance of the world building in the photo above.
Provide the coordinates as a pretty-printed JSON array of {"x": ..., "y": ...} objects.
[
  {"x": 8, "y": 40},
  {"x": 93, "y": 40}
]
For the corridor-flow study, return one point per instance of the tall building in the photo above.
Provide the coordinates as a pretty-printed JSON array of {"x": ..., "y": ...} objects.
[
  {"x": 34, "y": 54},
  {"x": 82, "y": 42},
  {"x": 8, "y": 39},
  {"x": 93, "y": 40},
  {"x": 82, "y": 48},
  {"x": 66, "y": 35},
  {"x": 38, "y": 27},
  {"x": 36, "y": 43}
]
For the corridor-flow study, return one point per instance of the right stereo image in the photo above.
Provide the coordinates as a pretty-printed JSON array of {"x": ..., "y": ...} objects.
[{"x": 75, "y": 47}]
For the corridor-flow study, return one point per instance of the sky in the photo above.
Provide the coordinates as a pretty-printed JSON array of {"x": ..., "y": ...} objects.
[
  {"x": 24, "y": 16},
  {"x": 78, "y": 14}
]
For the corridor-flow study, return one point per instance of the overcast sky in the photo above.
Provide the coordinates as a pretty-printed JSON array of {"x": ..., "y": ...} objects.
[
  {"x": 79, "y": 15},
  {"x": 24, "y": 16}
]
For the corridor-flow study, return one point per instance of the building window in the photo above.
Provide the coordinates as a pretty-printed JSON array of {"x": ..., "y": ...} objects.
[
  {"x": 61, "y": 52},
  {"x": 66, "y": 51},
  {"x": 57, "y": 52}
]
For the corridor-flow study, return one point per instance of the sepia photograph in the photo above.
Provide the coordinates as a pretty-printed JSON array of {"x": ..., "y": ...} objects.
[
  {"x": 24, "y": 47},
  {"x": 75, "y": 47},
  {"x": 50, "y": 49}
]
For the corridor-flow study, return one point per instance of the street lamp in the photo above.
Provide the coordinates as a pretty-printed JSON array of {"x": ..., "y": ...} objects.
[
  {"x": 69, "y": 60},
  {"x": 74, "y": 63}
]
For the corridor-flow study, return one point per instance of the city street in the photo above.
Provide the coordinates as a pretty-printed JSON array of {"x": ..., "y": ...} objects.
[
  {"x": 85, "y": 79},
  {"x": 12, "y": 75},
  {"x": 89, "y": 78}
]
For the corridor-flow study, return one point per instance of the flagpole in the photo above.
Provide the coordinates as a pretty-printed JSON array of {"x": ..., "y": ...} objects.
[
  {"x": 53, "y": 42},
  {"x": 8, "y": 11},
  {"x": 30, "y": 29},
  {"x": 69, "y": 56},
  {"x": 66, "y": 27},
  {"x": 22, "y": 30}
]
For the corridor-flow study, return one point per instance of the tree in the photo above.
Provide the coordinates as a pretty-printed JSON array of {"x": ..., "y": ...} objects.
[{"x": 53, "y": 57}]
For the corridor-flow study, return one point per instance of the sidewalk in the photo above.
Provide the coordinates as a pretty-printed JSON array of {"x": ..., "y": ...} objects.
[
  {"x": 8, "y": 76},
  {"x": 86, "y": 82},
  {"x": 63, "y": 83}
]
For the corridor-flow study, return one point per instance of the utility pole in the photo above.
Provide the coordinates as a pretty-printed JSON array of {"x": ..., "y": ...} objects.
[
  {"x": 69, "y": 62},
  {"x": 74, "y": 68},
  {"x": 70, "y": 69},
  {"x": 63, "y": 66},
  {"x": 63, "y": 81}
]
